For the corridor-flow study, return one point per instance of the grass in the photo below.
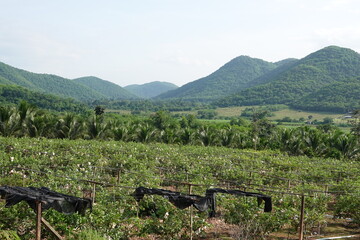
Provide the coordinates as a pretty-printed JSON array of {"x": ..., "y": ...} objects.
[{"x": 294, "y": 114}]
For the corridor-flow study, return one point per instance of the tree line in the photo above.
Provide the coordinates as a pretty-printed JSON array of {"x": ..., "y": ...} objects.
[{"x": 257, "y": 133}]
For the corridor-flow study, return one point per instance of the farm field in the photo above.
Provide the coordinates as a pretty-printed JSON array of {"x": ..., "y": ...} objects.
[
  {"x": 113, "y": 170},
  {"x": 294, "y": 114}
]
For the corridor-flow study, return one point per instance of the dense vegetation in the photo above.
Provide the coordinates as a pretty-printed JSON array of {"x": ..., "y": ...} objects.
[
  {"x": 50, "y": 84},
  {"x": 339, "y": 97},
  {"x": 10, "y": 94},
  {"x": 119, "y": 167},
  {"x": 149, "y": 90},
  {"x": 148, "y": 106},
  {"x": 231, "y": 77},
  {"x": 331, "y": 65},
  {"x": 106, "y": 88},
  {"x": 324, "y": 141}
]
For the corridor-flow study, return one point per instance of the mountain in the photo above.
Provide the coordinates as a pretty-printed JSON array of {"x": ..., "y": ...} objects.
[
  {"x": 228, "y": 79},
  {"x": 11, "y": 94},
  {"x": 46, "y": 83},
  {"x": 106, "y": 88},
  {"x": 299, "y": 79},
  {"x": 338, "y": 97},
  {"x": 149, "y": 90}
]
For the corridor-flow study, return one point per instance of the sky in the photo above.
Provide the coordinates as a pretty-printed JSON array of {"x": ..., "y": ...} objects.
[{"x": 178, "y": 41}]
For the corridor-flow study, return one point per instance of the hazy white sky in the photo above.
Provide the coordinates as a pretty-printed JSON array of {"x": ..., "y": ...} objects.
[{"x": 178, "y": 41}]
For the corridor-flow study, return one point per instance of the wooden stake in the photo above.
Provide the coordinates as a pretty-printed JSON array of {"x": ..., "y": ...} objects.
[
  {"x": 250, "y": 177},
  {"x": 301, "y": 231},
  {"x": 38, "y": 220},
  {"x": 51, "y": 229},
  {"x": 93, "y": 194},
  {"x": 191, "y": 215},
  {"x": 326, "y": 189}
]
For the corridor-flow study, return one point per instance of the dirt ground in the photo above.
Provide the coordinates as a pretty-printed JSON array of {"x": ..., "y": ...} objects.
[
  {"x": 334, "y": 228},
  {"x": 221, "y": 230}
]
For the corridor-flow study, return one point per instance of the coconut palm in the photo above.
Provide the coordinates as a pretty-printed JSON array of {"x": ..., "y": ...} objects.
[{"x": 9, "y": 121}]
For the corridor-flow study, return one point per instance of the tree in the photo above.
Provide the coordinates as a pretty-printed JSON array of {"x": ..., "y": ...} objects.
[
  {"x": 99, "y": 110},
  {"x": 355, "y": 122}
]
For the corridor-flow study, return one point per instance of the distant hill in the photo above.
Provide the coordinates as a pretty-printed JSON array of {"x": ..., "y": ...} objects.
[
  {"x": 11, "y": 94},
  {"x": 152, "y": 89},
  {"x": 230, "y": 78},
  {"x": 299, "y": 79},
  {"x": 46, "y": 83},
  {"x": 106, "y": 88},
  {"x": 338, "y": 97}
]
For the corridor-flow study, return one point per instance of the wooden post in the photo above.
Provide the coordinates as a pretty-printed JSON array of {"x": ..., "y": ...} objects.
[
  {"x": 118, "y": 176},
  {"x": 51, "y": 229},
  {"x": 191, "y": 215},
  {"x": 93, "y": 193},
  {"x": 250, "y": 177},
  {"x": 301, "y": 231},
  {"x": 38, "y": 220},
  {"x": 289, "y": 184}
]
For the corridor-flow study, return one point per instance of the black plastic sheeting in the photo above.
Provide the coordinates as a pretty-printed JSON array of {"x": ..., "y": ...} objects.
[
  {"x": 208, "y": 202},
  {"x": 210, "y": 193},
  {"x": 60, "y": 202},
  {"x": 178, "y": 199}
]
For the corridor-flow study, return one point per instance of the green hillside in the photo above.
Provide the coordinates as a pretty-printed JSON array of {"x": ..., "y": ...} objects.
[
  {"x": 283, "y": 66},
  {"x": 46, "y": 83},
  {"x": 152, "y": 89},
  {"x": 230, "y": 78},
  {"x": 320, "y": 69},
  {"x": 337, "y": 97},
  {"x": 11, "y": 94},
  {"x": 109, "y": 89}
]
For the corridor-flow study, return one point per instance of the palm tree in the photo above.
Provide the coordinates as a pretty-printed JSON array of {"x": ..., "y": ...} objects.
[
  {"x": 187, "y": 135},
  {"x": 120, "y": 131},
  {"x": 96, "y": 127},
  {"x": 207, "y": 136},
  {"x": 144, "y": 132},
  {"x": 9, "y": 121},
  {"x": 39, "y": 124},
  {"x": 69, "y": 126}
]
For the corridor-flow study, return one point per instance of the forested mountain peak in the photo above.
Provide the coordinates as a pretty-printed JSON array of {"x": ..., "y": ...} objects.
[
  {"x": 151, "y": 89},
  {"x": 109, "y": 89},
  {"x": 300, "y": 78},
  {"x": 86, "y": 89},
  {"x": 46, "y": 83},
  {"x": 229, "y": 78}
]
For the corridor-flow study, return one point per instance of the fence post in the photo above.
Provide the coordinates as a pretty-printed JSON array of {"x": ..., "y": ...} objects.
[
  {"x": 326, "y": 189},
  {"x": 301, "y": 231},
  {"x": 191, "y": 215},
  {"x": 38, "y": 220},
  {"x": 118, "y": 176},
  {"x": 93, "y": 193}
]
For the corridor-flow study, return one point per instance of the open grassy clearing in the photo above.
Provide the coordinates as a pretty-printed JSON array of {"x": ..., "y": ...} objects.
[{"x": 294, "y": 114}]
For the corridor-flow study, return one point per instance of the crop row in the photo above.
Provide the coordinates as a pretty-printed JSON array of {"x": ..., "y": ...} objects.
[{"x": 62, "y": 165}]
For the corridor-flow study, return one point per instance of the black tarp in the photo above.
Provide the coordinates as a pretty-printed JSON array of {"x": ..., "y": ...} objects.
[
  {"x": 208, "y": 202},
  {"x": 180, "y": 200},
  {"x": 60, "y": 202},
  {"x": 210, "y": 193}
]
